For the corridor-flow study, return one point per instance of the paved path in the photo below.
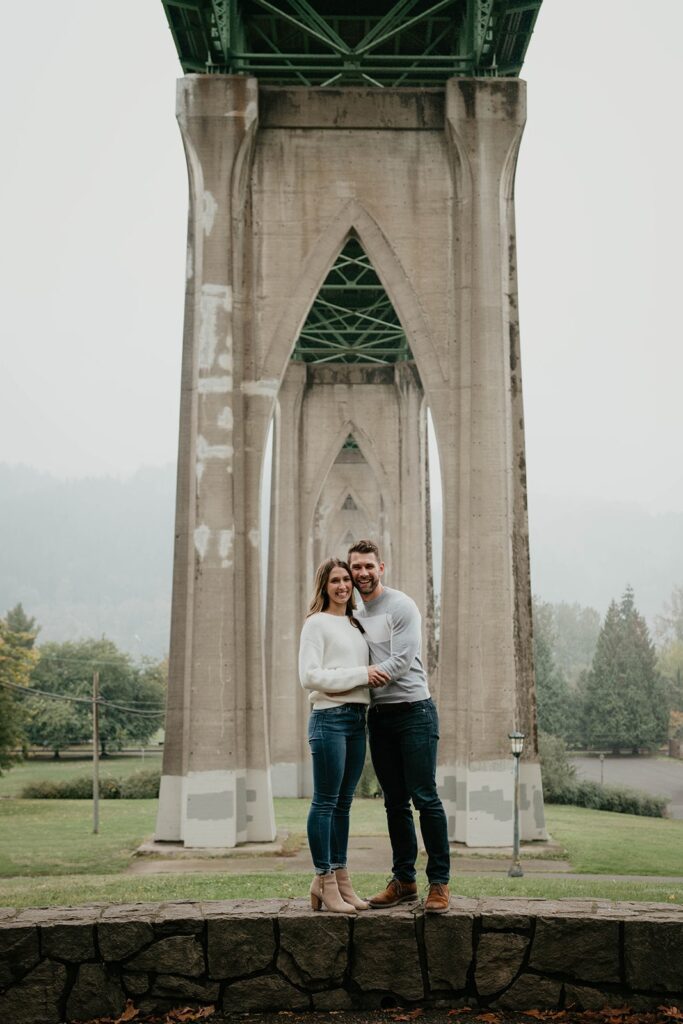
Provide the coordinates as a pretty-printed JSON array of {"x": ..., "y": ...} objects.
[{"x": 654, "y": 775}]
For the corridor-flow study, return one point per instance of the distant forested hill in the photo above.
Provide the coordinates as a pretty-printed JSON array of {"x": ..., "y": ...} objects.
[{"x": 94, "y": 556}]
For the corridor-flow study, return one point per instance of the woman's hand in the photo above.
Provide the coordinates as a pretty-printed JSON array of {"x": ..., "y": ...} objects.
[{"x": 377, "y": 677}]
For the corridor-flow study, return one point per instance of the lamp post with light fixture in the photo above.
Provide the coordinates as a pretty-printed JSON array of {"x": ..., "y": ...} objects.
[{"x": 517, "y": 745}]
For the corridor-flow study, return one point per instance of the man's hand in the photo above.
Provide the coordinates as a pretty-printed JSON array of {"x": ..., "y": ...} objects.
[{"x": 377, "y": 677}]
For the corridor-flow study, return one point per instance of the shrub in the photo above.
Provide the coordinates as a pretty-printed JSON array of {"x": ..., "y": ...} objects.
[
  {"x": 368, "y": 784},
  {"x": 142, "y": 785},
  {"x": 607, "y": 798}
]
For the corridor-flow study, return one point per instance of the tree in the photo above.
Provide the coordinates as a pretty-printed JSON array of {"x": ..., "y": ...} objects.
[
  {"x": 16, "y": 661},
  {"x": 19, "y": 622},
  {"x": 556, "y": 706},
  {"x": 625, "y": 697},
  {"x": 669, "y": 625},
  {"x": 137, "y": 693}
]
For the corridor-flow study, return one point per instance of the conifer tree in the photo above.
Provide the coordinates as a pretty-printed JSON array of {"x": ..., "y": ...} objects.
[{"x": 625, "y": 701}]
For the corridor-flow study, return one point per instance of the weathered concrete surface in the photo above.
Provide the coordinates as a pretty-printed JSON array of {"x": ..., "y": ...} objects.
[
  {"x": 278, "y": 182},
  {"x": 279, "y": 955}
]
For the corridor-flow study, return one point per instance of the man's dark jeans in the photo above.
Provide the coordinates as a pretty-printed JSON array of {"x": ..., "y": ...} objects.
[{"x": 403, "y": 743}]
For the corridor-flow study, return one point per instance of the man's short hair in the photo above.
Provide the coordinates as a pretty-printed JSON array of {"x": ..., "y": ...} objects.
[{"x": 364, "y": 547}]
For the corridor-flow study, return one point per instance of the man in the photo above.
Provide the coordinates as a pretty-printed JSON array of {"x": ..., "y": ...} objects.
[{"x": 404, "y": 732}]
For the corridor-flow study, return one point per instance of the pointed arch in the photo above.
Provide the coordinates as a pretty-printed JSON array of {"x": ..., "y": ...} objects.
[
  {"x": 352, "y": 219},
  {"x": 322, "y": 471}
]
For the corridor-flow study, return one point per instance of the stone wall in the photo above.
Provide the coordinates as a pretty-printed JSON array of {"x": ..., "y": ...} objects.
[{"x": 66, "y": 964}]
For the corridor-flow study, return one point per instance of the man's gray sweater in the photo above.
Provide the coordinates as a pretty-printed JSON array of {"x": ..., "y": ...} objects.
[{"x": 393, "y": 630}]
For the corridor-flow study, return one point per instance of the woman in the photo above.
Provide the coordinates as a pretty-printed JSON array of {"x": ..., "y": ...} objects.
[{"x": 333, "y": 665}]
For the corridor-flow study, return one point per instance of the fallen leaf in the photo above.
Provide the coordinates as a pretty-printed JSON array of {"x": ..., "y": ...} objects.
[
  {"x": 408, "y": 1016},
  {"x": 130, "y": 1013},
  {"x": 671, "y": 1011}
]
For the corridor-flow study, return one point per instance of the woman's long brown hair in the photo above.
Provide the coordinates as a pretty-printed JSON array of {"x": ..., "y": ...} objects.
[{"x": 320, "y": 599}]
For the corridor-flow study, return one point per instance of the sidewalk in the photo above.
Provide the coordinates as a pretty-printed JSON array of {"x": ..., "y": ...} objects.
[{"x": 367, "y": 854}]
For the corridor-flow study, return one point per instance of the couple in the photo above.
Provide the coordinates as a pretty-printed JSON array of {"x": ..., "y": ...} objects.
[{"x": 337, "y": 645}]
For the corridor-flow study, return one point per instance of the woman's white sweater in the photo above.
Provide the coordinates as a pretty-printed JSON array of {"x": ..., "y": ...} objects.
[{"x": 333, "y": 661}]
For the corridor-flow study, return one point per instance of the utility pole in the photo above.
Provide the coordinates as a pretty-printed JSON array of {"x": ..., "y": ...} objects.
[{"x": 95, "y": 753}]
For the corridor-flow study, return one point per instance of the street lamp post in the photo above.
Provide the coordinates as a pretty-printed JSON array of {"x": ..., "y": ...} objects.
[{"x": 517, "y": 745}]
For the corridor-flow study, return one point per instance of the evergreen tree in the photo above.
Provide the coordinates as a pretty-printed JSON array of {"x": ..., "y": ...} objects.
[
  {"x": 15, "y": 667},
  {"x": 625, "y": 700},
  {"x": 554, "y": 701},
  {"x": 23, "y": 626}
]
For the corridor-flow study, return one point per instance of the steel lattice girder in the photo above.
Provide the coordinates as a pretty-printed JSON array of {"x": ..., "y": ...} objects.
[
  {"x": 352, "y": 319},
  {"x": 377, "y": 42}
]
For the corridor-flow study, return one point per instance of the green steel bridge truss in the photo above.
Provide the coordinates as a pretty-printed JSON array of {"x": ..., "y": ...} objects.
[
  {"x": 352, "y": 319},
  {"x": 381, "y": 43},
  {"x": 336, "y": 42}
]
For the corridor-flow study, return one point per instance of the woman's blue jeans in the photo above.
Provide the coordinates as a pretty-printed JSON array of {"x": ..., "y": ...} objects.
[{"x": 337, "y": 740}]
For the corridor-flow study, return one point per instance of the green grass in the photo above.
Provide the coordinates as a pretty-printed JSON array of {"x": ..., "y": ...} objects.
[
  {"x": 72, "y": 767},
  {"x": 55, "y": 837},
  {"x": 25, "y": 892},
  {"x": 600, "y": 842}
]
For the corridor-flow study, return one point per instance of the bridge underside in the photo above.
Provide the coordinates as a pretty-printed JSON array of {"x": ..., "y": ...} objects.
[{"x": 332, "y": 42}]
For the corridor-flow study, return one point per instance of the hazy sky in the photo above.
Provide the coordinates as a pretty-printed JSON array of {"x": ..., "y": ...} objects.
[{"x": 93, "y": 212}]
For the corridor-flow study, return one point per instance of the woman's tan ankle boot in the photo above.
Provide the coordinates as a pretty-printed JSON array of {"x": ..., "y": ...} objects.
[
  {"x": 346, "y": 890},
  {"x": 325, "y": 893}
]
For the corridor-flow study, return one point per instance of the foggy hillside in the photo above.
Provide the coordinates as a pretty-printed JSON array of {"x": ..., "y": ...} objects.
[{"x": 93, "y": 556}]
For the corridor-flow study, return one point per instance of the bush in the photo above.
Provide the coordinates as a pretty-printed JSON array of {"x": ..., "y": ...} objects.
[
  {"x": 608, "y": 798},
  {"x": 367, "y": 784},
  {"x": 142, "y": 785}
]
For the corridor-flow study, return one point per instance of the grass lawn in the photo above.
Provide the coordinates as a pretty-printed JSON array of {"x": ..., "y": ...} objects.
[{"x": 72, "y": 767}]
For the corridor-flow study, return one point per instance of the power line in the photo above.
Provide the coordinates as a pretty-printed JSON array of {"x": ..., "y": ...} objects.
[{"x": 29, "y": 691}]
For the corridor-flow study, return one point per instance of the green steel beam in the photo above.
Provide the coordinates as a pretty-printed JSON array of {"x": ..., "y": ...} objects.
[
  {"x": 352, "y": 319},
  {"x": 323, "y": 42}
]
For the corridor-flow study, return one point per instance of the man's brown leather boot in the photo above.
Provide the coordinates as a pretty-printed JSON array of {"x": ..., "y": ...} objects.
[
  {"x": 438, "y": 899},
  {"x": 395, "y": 892}
]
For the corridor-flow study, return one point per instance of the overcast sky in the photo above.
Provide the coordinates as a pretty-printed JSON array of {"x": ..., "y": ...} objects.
[{"x": 93, "y": 210}]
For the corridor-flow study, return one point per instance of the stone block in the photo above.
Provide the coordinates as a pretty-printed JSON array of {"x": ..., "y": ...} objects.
[
  {"x": 579, "y": 948},
  {"x": 35, "y": 1000},
  {"x": 177, "y": 954},
  {"x": 448, "y": 942},
  {"x": 582, "y": 997},
  {"x": 332, "y": 999},
  {"x": 385, "y": 954},
  {"x": 499, "y": 959},
  {"x": 120, "y": 939},
  {"x": 19, "y": 951},
  {"x": 313, "y": 947},
  {"x": 178, "y": 919},
  {"x": 135, "y": 984},
  {"x": 96, "y": 993},
  {"x": 267, "y": 992},
  {"x": 531, "y": 992},
  {"x": 505, "y": 922},
  {"x": 171, "y": 985},
  {"x": 74, "y": 941},
  {"x": 238, "y": 946},
  {"x": 653, "y": 955}
]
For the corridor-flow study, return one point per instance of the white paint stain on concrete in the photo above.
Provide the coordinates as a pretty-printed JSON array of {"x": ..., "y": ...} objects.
[
  {"x": 202, "y": 535},
  {"x": 225, "y": 418},
  {"x": 199, "y": 471},
  {"x": 214, "y": 298},
  {"x": 225, "y": 359},
  {"x": 225, "y": 542},
  {"x": 262, "y": 388},
  {"x": 248, "y": 113},
  {"x": 209, "y": 207},
  {"x": 254, "y": 538},
  {"x": 214, "y": 385},
  {"x": 213, "y": 451},
  {"x": 189, "y": 262}
]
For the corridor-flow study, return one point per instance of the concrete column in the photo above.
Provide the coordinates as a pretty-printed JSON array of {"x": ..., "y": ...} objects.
[
  {"x": 485, "y": 651},
  {"x": 286, "y": 605},
  {"x": 215, "y": 788}
]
